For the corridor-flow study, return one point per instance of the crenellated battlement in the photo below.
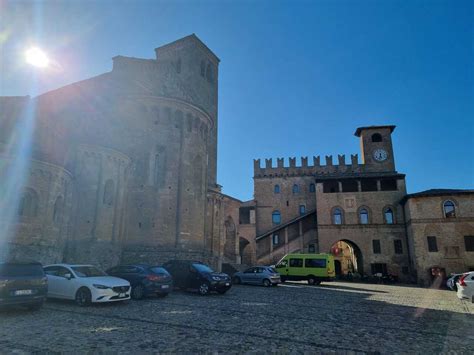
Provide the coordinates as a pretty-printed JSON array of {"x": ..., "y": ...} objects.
[{"x": 305, "y": 168}]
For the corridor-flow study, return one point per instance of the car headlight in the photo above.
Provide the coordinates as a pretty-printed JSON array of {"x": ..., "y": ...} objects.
[
  {"x": 216, "y": 278},
  {"x": 102, "y": 287}
]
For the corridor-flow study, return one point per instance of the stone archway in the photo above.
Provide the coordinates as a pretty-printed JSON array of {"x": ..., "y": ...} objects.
[
  {"x": 349, "y": 256},
  {"x": 245, "y": 251}
]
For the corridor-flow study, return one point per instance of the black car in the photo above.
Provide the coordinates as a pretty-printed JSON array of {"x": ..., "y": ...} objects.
[
  {"x": 145, "y": 279},
  {"x": 197, "y": 276},
  {"x": 23, "y": 284}
]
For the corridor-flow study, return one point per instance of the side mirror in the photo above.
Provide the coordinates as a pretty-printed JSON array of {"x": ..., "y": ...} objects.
[{"x": 68, "y": 276}]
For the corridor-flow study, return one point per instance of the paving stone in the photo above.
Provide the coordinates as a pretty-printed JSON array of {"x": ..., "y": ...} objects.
[{"x": 335, "y": 317}]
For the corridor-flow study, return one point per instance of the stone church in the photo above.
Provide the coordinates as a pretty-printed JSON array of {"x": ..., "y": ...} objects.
[{"x": 121, "y": 168}]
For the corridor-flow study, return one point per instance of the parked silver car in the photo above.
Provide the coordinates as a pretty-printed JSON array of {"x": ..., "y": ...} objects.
[{"x": 258, "y": 275}]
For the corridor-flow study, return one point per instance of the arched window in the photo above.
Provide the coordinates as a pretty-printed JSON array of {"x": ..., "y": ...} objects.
[
  {"x": 160, "y": 166},
  {"x": 302, "y": 210},
  {"x": 449, "y": 209},
  {"x": 209, "y": 73},
  {"x": 28, "y": 206},
  {"x": 312, "y": 188},
  {"x": 276, "y": 217},
  {"x": 376, "y": 137},
  {"x": 203, "y": 69},
  {"x": 388, "y": 215},
  {"x": 276, "y": 189},
  {"x": 108, "y": 198},
  {"x": 337, "y": 216},
  {"x": 296, "y": 189},
  {"x": 363, "y": 216},
  {"x": 197, "y": 166},
  {"x": 58, "y": 205}
]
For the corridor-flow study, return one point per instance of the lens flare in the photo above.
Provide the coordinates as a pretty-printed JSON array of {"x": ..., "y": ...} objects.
[{"x": 37, "y": 57}]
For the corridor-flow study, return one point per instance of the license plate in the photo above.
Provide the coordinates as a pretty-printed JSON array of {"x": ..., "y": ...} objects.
[
  {"x": 121, "y": 295},
  {"x": 227, "y": 284},
  {"x": 23, "y": 292},
  {"x": 165, "y": 286}
]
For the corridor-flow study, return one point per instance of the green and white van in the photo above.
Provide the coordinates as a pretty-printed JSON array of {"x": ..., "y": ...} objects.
[{"x": 311, "y": 267}]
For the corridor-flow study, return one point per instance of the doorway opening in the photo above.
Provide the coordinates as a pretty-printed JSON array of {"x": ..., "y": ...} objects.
[{"x": 347, "y": 258}]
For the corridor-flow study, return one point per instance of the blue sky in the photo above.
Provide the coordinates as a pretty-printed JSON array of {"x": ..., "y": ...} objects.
[{"x": 296, "y": 77}]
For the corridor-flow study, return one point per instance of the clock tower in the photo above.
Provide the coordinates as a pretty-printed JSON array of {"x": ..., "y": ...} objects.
[{"x": 376, "y": 148}]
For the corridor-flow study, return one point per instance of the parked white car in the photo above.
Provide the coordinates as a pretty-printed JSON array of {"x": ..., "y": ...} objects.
[
  {"x": 85, "y": 284},
  {"x": 466, "y": 286}
]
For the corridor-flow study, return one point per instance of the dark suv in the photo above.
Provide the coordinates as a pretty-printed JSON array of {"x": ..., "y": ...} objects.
[
  {"x": 23, "y": 283},
  {"x": 197, "y": 276},
  {"x": 144, "y": 279}
]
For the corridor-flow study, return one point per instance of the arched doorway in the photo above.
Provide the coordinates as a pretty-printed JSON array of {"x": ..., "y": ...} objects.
[
  {"x": 245, "y": 251},
  {"x": 347, "y": 257}
]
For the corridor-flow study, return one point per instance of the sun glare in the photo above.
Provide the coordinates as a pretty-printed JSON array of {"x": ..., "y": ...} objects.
[{"x": 37, "y": 57}]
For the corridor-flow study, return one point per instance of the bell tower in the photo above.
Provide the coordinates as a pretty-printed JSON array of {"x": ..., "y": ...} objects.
[{"x": 376, "y": 147}]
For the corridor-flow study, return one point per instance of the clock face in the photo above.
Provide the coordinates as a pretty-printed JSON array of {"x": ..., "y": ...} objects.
[{"x": 380, "y": 155}]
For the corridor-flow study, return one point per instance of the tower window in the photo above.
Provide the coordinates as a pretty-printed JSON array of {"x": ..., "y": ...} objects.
[
  {"x": 449, "y": 209},
  {"x": 296, "y": 189},
  {"x": 376, "y": 137},
  {"x": 276, "y": 189},
  {"x": 209, "y": 73},
  {"x": 312, "y": 188},
  {"x": 276, "y": 217}
]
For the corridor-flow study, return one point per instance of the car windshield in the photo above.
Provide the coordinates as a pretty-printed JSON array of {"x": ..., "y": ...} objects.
[
  {"x": 16, "y": 270},
  {"x": 203, "y": 268},
  {"x": 87, "y": 271},
  {"x": 270, "y": 269},
  {"x": 159, "y": 270}
]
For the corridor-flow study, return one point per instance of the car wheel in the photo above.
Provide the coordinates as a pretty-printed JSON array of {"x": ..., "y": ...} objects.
[
  {"x": 204, "y": 289},
  {"x": 237, "y": 280},
  {"x": 35, "y": 306},
  {"x": 267, "y": 283},
  {"x": 311, "y": 280},
  {"x": 83, "y": 297},
  {"x": 138, "y": 292}
]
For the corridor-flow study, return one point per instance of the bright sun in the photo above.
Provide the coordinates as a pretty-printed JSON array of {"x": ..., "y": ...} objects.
[{"x": 37, "y": 57}]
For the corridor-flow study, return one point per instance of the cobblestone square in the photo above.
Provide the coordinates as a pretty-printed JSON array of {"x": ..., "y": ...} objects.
[{"x": 334, "y": 317}]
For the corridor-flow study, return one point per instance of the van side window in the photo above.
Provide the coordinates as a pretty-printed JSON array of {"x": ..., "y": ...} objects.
[
  {"x": 320, "y": 263},
  {"x": 296, "y": 262}
]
